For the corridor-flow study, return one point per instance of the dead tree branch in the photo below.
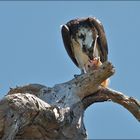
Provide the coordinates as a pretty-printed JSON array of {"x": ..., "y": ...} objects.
[
  {"x": 106, "y": 94},
  {"x": 39, "y": 112}
]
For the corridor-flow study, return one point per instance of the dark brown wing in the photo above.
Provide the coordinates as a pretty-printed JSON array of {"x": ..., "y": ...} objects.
[
  {"x": 67, "y": 43},
  {"x": 102, "y": 41}
]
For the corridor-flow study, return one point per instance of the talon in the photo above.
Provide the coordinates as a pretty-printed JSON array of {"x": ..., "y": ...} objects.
[{"x": 76, "y": 75}]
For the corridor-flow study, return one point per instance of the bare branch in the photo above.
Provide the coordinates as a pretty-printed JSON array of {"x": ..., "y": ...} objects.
[
  {"x": 88, "y": 83},
  {"x": 106, "y": 94}
]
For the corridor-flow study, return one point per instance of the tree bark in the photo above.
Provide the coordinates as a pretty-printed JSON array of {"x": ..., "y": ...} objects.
[{"x": 49, "y": 113}]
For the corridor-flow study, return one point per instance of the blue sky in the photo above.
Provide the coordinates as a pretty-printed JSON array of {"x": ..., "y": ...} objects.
[{"x": 31, "y": 51}]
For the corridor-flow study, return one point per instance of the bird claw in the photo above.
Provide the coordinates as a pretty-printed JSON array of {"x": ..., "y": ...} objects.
[{"x": 76, "y": 75}]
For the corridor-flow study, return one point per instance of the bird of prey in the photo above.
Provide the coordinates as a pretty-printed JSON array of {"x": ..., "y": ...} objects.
[{"x": 85, "y": 42}]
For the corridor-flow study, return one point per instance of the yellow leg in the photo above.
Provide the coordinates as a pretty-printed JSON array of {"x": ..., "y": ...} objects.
[{"x": 105, "y": 83}]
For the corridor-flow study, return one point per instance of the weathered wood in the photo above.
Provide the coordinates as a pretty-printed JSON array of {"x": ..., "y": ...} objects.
[
  {"x": 106, "y": 94},
  {"x": 38, "y": 112}
]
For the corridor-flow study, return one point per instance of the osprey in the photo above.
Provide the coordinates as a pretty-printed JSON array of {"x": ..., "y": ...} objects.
[{"x": 85, "y": 42}]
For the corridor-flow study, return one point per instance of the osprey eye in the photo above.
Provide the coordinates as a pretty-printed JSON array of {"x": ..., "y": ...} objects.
[{"x": 81, "y": 36}]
